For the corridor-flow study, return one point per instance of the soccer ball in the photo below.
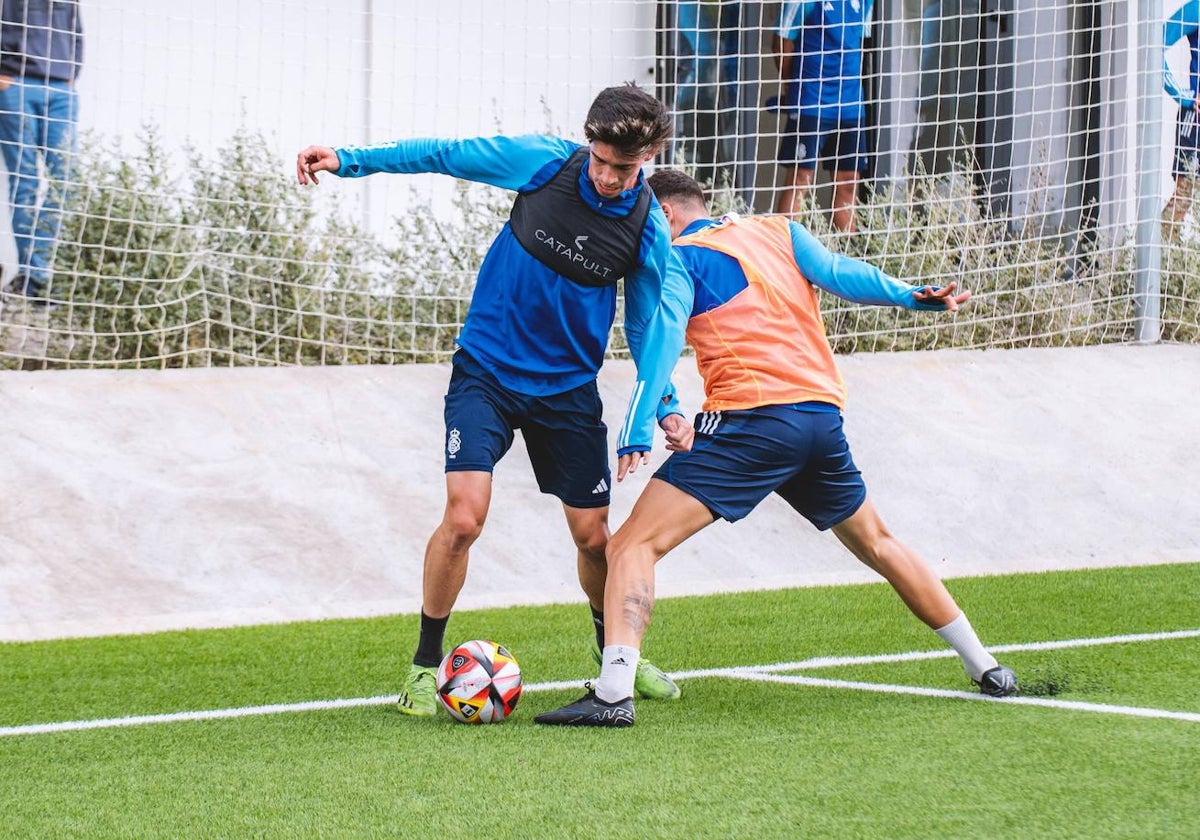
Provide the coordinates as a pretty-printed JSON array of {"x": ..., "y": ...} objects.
[{"x": 479, "y": 682}]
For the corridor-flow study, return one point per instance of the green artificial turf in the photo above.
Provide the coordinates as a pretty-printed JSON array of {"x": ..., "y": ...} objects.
[{"x": 732, "y": 758}]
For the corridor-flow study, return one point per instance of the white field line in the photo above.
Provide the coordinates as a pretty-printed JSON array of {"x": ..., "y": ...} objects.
[
  {"x": 761, "y": 673},
  {"x": 1074, "y": 705},
  {"x": 941, "y": 653}
]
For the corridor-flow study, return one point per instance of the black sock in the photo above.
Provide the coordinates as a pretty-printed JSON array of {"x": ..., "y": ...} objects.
[
  {"x": 429, "y": 647},
  {"x": 598, "y": 620}
]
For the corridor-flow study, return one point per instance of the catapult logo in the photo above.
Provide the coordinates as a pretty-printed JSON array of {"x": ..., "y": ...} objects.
[{"x": 573, "y": 252}]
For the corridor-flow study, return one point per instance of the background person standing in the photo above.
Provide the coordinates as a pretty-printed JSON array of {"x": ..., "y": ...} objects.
[
  {"x": 818, "y": 48},
  {"x": 41, "y": 53}
]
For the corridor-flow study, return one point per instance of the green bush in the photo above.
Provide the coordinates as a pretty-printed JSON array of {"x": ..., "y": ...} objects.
[
  {"x": 226, "y": 261},
  {"x": 1028, "y": 290},
  {"x": 128, "y": 250},
  {"x": 230, "y": 263}
]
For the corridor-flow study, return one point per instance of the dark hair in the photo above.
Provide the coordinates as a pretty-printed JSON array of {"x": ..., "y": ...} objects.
[
  {"x": 675, "y": 185},
  {"x": 628, "y": 119}
]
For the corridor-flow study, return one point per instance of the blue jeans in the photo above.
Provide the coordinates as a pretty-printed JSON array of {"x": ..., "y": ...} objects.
[{"x": 37, "y": 125}]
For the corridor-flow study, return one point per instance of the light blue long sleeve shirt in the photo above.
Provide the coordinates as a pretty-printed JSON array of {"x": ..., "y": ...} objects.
[
  {"x": 851, "y": 279},
  {"x": 826, "y": 81}
]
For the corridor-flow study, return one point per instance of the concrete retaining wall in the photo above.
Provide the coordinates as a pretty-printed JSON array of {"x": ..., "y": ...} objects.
[{"x": 133, "y": 501}]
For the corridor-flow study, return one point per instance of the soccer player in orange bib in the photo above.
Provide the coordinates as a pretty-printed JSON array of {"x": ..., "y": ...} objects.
[{"x": 772, "y": 423}]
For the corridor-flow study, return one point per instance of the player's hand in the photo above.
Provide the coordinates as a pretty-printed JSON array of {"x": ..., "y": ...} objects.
[
  {"x": 680, "y": 432},
  {"x": 928, "y": 294},
  {"x": 629, "y": 462},
  {"x": 315, "y": 159}
]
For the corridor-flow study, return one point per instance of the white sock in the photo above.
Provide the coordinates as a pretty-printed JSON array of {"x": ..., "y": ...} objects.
[
  {"x": 960, "y": 635},
  {"x": 618, "y": 667}
]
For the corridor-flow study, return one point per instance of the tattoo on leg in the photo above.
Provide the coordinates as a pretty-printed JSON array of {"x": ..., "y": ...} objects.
[{"x": 638, "y": 607}]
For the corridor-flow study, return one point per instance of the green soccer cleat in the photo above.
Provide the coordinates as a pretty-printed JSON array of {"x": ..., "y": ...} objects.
[
  {"x": 650, "y": 682},
  {"x": 416, "y": 698}
]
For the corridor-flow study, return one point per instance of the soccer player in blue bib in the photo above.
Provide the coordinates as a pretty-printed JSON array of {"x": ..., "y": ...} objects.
[
  {"x": 535, "y": 336},
  {"x": 1184, "y": 24},
  {"x": 818, "y": 48}
]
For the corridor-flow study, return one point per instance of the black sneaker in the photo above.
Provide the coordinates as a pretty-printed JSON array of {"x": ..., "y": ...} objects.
[
  {"x": 590, "y": 710},
  {"x": 998, "y": 682}
]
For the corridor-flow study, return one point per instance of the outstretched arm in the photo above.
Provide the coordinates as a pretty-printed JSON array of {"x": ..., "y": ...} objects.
[
  {"x": 861, "y": 282},
  {"x": 506, "y": 162}
]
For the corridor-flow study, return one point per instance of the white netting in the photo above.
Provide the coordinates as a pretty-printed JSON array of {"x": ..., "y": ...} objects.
[{"x": 1003, "y": 152}]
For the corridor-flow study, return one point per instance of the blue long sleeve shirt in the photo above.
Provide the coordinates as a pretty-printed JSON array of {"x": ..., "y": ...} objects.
[
  {"x": 536, "y": 331},
  {"x": 826, "y": 78}
]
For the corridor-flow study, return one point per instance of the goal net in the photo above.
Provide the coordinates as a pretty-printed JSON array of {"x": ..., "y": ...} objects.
[{"x": 1022, "y": 148}]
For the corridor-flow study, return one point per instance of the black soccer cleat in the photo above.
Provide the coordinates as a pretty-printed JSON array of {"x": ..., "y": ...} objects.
[
  {"x": 590, "y": 710},
  {"x": 998, "y": 682}
]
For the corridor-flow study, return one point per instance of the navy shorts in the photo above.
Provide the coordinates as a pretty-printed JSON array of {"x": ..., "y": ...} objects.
[
  {"x": 798, "y": 451},
  {"x": 564, "y": 433},
  {"x": 1187, "y": 144},
  {"x": 842, "y": 145}
]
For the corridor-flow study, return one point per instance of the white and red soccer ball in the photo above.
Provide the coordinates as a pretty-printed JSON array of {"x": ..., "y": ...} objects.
[{"x": 479, "y": 682}]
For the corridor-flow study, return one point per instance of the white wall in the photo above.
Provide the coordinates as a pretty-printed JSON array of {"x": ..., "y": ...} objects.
[
  {"x": 235, "y": 512},
  {"x": 321, "y": 71}
]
